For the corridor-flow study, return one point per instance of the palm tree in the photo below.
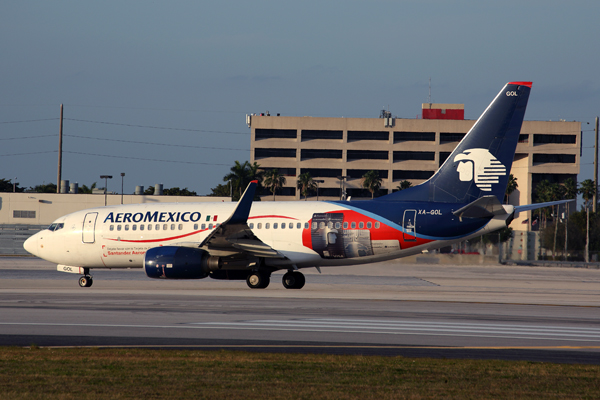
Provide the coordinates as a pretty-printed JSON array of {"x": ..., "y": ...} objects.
[
  {"x": 511, "y": 186},
  {"x": 273, "y": 180},
  {"x": 557, "y": 192},
  {"x": 239, "y": 177},
  {"x": 87, "y": 190},
  {"x": 542, "y": 191},
  {"x": 587, "y": 192},
  {"x": 570, "y": 193},
  {"x": 372, "y": 182},
  {"x": 306, "y": 184},
  {"x": 404, "y": 185}
]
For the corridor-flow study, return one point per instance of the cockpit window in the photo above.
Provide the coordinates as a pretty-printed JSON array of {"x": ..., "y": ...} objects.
[{"x": 55, "y": 226}]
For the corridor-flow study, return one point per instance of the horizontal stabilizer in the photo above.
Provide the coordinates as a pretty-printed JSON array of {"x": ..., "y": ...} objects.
[
  {"x": 484, "y": 207},
  {"x": 535, "y": 206}
]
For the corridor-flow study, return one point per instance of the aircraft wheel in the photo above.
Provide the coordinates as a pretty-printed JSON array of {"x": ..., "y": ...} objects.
[
  {"x": 293, "y": 280},
  {"x": 256, "y": 280},
  {"x": 86, "y": 281}
]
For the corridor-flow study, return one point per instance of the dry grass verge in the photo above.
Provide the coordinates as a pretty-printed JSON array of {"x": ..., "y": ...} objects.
[{"x": 40, "y": 373}]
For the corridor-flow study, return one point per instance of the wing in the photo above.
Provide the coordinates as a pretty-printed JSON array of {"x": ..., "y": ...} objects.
[{"x": 234, "y": 236}]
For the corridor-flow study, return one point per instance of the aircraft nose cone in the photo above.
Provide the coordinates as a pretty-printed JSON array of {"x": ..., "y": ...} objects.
[{"x": 31, "y": 245}]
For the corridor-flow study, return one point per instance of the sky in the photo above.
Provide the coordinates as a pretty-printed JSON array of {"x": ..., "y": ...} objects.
[{"x": 159, "y": 90}]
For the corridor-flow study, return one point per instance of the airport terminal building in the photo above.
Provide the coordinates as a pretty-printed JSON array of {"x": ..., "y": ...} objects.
[{"x": 339, "y": 151}]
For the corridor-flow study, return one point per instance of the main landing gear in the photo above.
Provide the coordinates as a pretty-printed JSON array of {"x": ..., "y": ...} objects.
[
  {"x": 258, "y": 280},
  {"x": 291, "y": 280}
]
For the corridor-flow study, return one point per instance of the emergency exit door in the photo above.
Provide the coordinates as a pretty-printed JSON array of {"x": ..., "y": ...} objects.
[{"x": 89, "y": 227}]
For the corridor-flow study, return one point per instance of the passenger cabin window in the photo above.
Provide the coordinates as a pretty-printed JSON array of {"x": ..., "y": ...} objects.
[
  {"x": 267, "y": 225},
  {"x": 275, "y": 224},
  {"x": 346, "y": 225},
  {"x": 195, "y": 227},
  {"x": 172, "y": 227},
  {"x": 291, "y": 226},
  {"x": 306, "y": 225},
  {"x": 141, "y": 227},
  {"x": 251, "y": 225},
  {"x": 118, "y": 227},
  {"x": 361, "y": 225},
  {"x": 283, "y": 225},
  {"x": 259, "y": 225},
  {"x": 112, "y": 228},
  {"x": 377, "y": 225},
  {"x": 203, "y": 226},
  {"x": 157, "y": 227},
  {"x": 338, "y": 225},
  {"x": 126, "y": 227},
  {"x": 353, "y": 225},
  {"x": 369, "y": 225},
  {"x": 180, "y": 227},
  {"x": 149, "y": 227},
  {"x": 165, "y": 227}
]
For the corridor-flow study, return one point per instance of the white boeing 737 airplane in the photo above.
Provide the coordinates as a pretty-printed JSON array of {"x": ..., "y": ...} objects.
[{"x": 248, "y": 241}]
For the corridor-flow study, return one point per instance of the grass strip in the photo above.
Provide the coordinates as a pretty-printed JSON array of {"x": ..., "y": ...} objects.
[{"x": 90, "y": 373}]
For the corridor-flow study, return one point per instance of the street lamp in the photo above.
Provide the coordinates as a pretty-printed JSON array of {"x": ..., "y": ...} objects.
[
  {"x": 122, "y": 176},
  {"x": 342, "y": 179},
  {"x": 106, "y": 178},
  {"x": 317, "y": 181}
]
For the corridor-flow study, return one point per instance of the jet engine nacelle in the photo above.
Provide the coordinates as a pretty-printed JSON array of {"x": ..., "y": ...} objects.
[{"x": 174, "y": 262}]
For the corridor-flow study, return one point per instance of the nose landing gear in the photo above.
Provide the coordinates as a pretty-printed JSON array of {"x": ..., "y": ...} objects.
[{"x": 86, "y": 281}]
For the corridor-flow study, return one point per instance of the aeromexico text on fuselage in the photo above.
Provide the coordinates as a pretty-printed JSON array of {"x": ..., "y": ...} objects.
[{"x": 156, "y": 216}]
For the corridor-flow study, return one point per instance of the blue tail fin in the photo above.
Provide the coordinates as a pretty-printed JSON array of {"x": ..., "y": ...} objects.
[{"x": 480, "y": 164}]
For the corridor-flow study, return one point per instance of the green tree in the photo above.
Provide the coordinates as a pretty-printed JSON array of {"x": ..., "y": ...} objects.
[
  {"x": 6, "y": 185},
  {"x": 306, "y": 184},
  {"x": 372, "y": 182},
  {"x": 175, "y": 191},
  {"x": 542, "y": 194},
  {"x": 87, "y": 190},
  {"x": 221, "y": 190},
  {"x": 240, "y": 176},
  {"x": 404, "y": 185},
  {"x": 44, "y": 188},
  {"x": 511, "y": 186},
  {"x": 570, "y": 192},
  {"x": 273, "y": 180},
  {"x": 586, "y": 189}
]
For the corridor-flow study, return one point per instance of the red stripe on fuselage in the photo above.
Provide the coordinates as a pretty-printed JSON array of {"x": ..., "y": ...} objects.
[{"x": 158, "y": 240}]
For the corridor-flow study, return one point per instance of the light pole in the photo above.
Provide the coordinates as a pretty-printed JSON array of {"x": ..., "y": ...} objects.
[
  {"x": 342, "y": 179},
  {"x": 317, "y": 181},
  {"x": 122, "y": 177},
  {"x": 106, "y": 178}
]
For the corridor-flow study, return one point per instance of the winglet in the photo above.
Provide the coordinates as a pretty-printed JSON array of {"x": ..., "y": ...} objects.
[{"x": 241, "y": 212}]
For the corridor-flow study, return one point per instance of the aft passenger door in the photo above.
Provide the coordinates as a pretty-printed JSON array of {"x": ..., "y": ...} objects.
[
  {"x": 89, "y": 227},
  {"x": 409, "y": 224}
]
